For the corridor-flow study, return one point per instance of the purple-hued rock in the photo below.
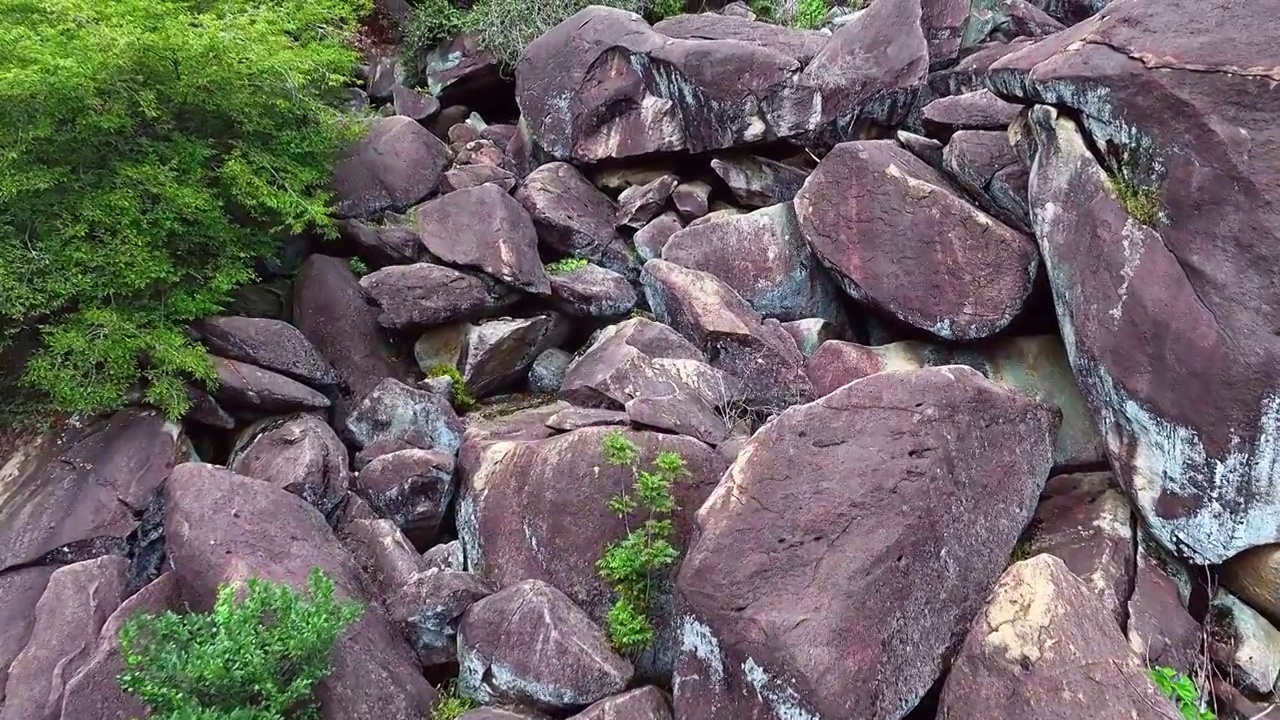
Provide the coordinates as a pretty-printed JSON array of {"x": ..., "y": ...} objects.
[
  {"x": 242, "y": 386},
  {"x": 692, "y": 198},
  {"x": 427, "y": 610},
  {"x": 412, "y": 488},
  {"x": 398, "y": 164},
  {"x": 394, "y": 413},
  {"x": 573, "y": 218},
  {"x": 420, "y": 295},
  {"x": 1161, "y": 630},
  {"x": 652, "y": 238},
  {"x": 576, "y": 418},
  {"x": 499, "y": 352},
  {"x": 977, "y": 110},
  {"x": 270, "y": 344},
  {"x": 413, "y": 104},
  {"x": 20, "y": 591},
  {"x": 392, "y": 243},
  {"x": 383, "y": 553},
  {"x": 592, "y": 291},
  {"x": 759, "y": 182},
  {"x": 646, "y": 703},
  {"x": 800, "y": 44},
  {"x": 639, "y": 204},
  {"x": 300, "y": 454},
  {"x": 462, "y": 177}
]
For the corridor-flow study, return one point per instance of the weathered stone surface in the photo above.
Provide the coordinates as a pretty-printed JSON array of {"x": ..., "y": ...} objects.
[
  {"x": 650, "y": 239},
  {"x": 1244, "y": 643},
  {"x": 803, "y": 45},
  {"x": 220, "y": 528},
  {"x": 977, "y": 110},
  {"x": 852, "y": 542},
  {"x": 206, "y": 411},
  {"x": 973, "y": 157},
  {"x": 1085, "y": 522},
  {"x": 592, "y": 291},
  {"x": 487, "y": 713},
  {"x": 486, "y": 229},
  {"x": 398, "y": 164},
  {"x": 759, "y": 182},
  {"x": 529, "y": 644},
  {"x": 79, "y": 488},
  {"x": 1044, "y": 649},
  {"x": 419, "y": 295},
  {"x": 765, "y": 259},
  {"x": 499, "y": 352},
  {"x": 692, "y": 198},
  {"x": 944, "y": 22},
  {"x": 575, "y": 418},
  {"x": 574, "y": 218},
  {"x": 428, "y": 608},
  {"x": 334, "y": 313},
  {"x": 412, "y": 488},
  {"x": 547, "y": 372},
  {"x": 1071, "y": 12},
  {"x": 20, "y": 591},
  {"x": 666, "y": 95},
  {"x": 558, "y": 488},
  {"x": 270, "y": 344},
  {"x": 970, "y": 73},
  {"x": 395, "y": 412},
  {"x": 300, "y": 454},
  {"x": 383, "y": 553},
  {"x": 76, "y": 603},
  {"x": 1160, "y": 629},
  {"x": 639, "y": 204},
  {"x": 646, "y": 703},
  {"x": 680, "y": 415},
  {"x": 811, "y": 333},
  {"x": 413, "y": 104},
  {"x": 1254, "y": 576},
  {"x": 898, "y": 238},
  {"x": 242, "y": 386},
  {"x": 445, "y": 557},
  {"x": 462, "y": 177},
  {"x": 734, "y": 336},
  {"x": 388, "y": 244},
  {"x": 94, "y": 692},
  {"x": 1005, "y": 20}
]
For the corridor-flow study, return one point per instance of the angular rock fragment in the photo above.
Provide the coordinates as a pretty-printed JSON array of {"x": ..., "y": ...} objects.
[
  {"x": 398, "y": 164},
  {"x": 499, "y": 352},
  {"x": 646, "y": 703},
  {"x": 242, "y": 386},
  {"x": 383, "y": 552},
  {"x": 547, "y": 372},
  {"x": 394, "y": 412},
  {"x": 428, "y": 609},
  {"x": 592, "y": 291},
  {"x": 639, "y": 204},
  {"x": 270, "y": 344},
  {"x": 412, "y": 488},
  {"x": 651, "y": 238},
  {"x": 759, "y": 182},
  {"x": 1244, "y": 643},
  {"x": 419, "y": 295},
  {"x": 575, "y": 219},
  {"x": 300, "y": 454}
]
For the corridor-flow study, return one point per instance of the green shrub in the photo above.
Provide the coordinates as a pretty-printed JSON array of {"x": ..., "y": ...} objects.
[
  {"x": 150, "y": 150},
  {"x": 258, "y": 658},
  {"x": 565, "y": 266},
  {"x": 462, "y": 398},
  {"x": 431, "y": 22},
  {"x": 811, "y": 13},
  {"x": 666, "y": 8},
  {"x": 765, "y": 9},
  {"x": 358, "y": 267},
  {"x": 634, "y": 565},
  {"x": 451, "y": 705},
  {"x": 1182, "y": 691}
]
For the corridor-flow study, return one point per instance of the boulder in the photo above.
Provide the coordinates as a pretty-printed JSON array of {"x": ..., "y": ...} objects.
[
  {"x": 428, "y": 608},
  {"x": 447, "y": 556},
  {"x": 811, "y": 333},
  {"x": 691, "y": 198},
  {"x": 646, "y": 703},
  {"x": 413, "y": 104},
  {"x": 383, "y": 553},
  {"x": 75, "y": 605},
  {"x": 547, "y": 372},
  {"x": 1160, "y": 628},
  {"x": 270, "y": 344},
  {"x": 396, "y": 165},
  {"x": 1254, "y": 576},
  {"x": 396, "y": 413},
  {"x": 528, "y": 644},
  {"x": 592, "y": 291},
  {"x": 300, "y": 454},
  {"x": 573, "y": 218},
  {"x": 416, "y": 296},
  {"x": 878, "y": 518},
  {"x": 977, "y": 110},
  {"x": 206, "y": 411},
  {"x": 484, "y": 228},
  {"x": 1243, "y": 643},
  {"x": 575, "y": 418},
  {"x": 462, "y": 177},
  {"x": 669, "y": 95},
  {"x": 944, "y": 23},
  {"x": 242, "y": 386},
  {"x": 1181, "y": 372},
  {"x": 412, "y": 488},
  {"x": 765, "y": 259},
  {"x": 759, "y": 182},
  {"x": 335, "y": 314},
  {"x": 392, "y": 243},
  {"x": 1005, "y": 20},
  {"x": 497, "y": 353},
  {"x": 223, "y": 528},
  {"x": 650, "y": 239},
  {"x": 639, "y": 204},
  {"x": 1044, "y": 649},
  {"x": 679, "y": 414},
  {"x": 803, "y": 45},
  {"x": 20, "y": 592},
  {"x": 908, "y": 245}
]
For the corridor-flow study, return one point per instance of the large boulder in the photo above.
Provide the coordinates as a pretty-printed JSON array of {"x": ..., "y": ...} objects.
[
  {"x": 496, "y": 353},
  {"x": 574, "y": 218},
  {"x": 1044, "y": 649},
  {"x": 900, "y": 239},
  {"x": 603, "y": 84},
  {"x": 300, "y": 454},
  {"x": 394, "y": 413},
  {"x": 224, "y": 528},
  {"x": 270, "y": 344},
  {"x": 412, "y": 488},
  {"x": 246, "y": 387},
  {"x": 848, "y": 547},
  {"x": 592, "y": 291},
  {"x": 422, "y": 294},
  {"x": 1160, "y": 269},
  {"x": 396, "y": 165},
  {"x": 20, "y": 592},
  {"x": 427, "y": 610},
  {"x": 646, "y": 703}
]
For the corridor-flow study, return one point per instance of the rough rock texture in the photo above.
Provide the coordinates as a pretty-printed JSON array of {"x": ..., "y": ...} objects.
[
  {"x": 1006, "y": 20},
  {"x": 1254, "y": 576},
  {"x": 1085, "y": 522},
  {"x": 852, "y": 542},
  {"x": 692, "y": 198},
  {"x": 396, "y": 413},
  {"x": 94, "y": 692},
  {"x": 944, "y": 23},
  {"x": 20, "y": 591},
  {"x": 573, "y": 218},
  {"x": 759, "y": 182},
  {"x": 535, "y": 507},
  {"x": 811, "y": 333},
  {"x": 484, "y": 228},
  {"x": 1160, "y": 629},
  {"x": 1244, "y": 643},
  {"x": 621, "y": 363},
  {"x": 412, "y": 488},
  {"x": 333, "y": 312},
  {"x": 428, "y": 608},
  {"x": 763, "y": 257},
  {"x": 646, "y": 703},
  {"x": 650, "y": 239},
  {"x": 271, "y": 344},
  {"x": 461, "y": 177},
  {"x": 663, "y": 95},
  {"x": 592, "y": 291},
  {"x": 1044, "y": 649},
  {"x": 575, "y": 418},
  {"x": 383, "y": 553},
  {"x": 80, "y": 488},
  {"x": 396, "y": 165},
  {"x": 445, "y": 557},
  {"x": 389, "y": 244},
  {"x": 300, "y": 454},
  {"x": 529, "y": 644},
  {"x": 242, "y": 386},
  {"x": 639, "y": 204},
  {"x": 898, "y": 238},
  {"x": 546, "y": 374},
  {"x": 800, "y": 44},
  {"x": 499, "y": 352},
  {"x": 977, "y": 110},
  {"x": 220, "y": 527},
  {"x": 68, "y": 618},
  {"x": 416, "y": 296}
]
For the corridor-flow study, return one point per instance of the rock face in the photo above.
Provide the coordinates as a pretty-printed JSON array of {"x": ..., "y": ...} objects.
[
  {"x": 499, "y": 352},
  {"x": 396, "y": 165},
  {"x": 220, "y": 527},
  {"x": 412, "y": 488},
  {"x": 428, "y": 609},
  {"x": 1044, "y": 649},
  {"x": 852, "y": 542},
  {"x": 530, "y": 645},
  {"x": 396, "y": 413},
  {"x": 1181, "y": 375},
  {"x": 661, "y": 94},
  {"x": 646, "y": 703},
  {"x": 242, "y": 386},
  {"x": 419, "y": 295},
  {"x": 574, "y": 218},
  {"x": 593, "y": 291},
  {"x": 270, "y": 344},
  {"x": 1244, "y": 643},
  {"x": 299, "y": 454},
  {"x": 899, "y": 239}
]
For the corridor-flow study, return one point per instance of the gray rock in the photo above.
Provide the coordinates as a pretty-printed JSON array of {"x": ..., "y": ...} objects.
[
  {"x": 548, "y": 370},
  {"x": 395, "y": 166},
  {"x": 395, "y": 412}
]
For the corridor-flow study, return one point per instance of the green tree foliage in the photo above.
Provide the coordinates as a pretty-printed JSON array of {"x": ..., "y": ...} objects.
[
  {"x": 634, "y": 565},
  {"x": 258, "y": 658},
  {"x": 150, "y": 150},
  {"x": 811, "y": 13}
]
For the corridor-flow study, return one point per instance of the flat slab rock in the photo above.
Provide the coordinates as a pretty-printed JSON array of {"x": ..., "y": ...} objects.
[
  {"x": 846, "y": 550},
  {"x": 396, "y": 165},
  {"x": 271, "y": 344},
  {"x": 1183, "y": 372},
  {"x": 900, "y": 239}
]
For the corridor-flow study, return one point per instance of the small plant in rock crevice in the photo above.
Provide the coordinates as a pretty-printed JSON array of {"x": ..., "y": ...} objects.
[
  {"x": 636, "y": 565},
  {"x": 451, "y": 705},
  {"x": 666, "y": 8},
  {"x": 1142, "y": 204},
  {"x": 462, "y": 398},
  {"x": 565, "y": 266},
  {"x": 358, "y": 267},
  {"x": 253, "y": 659},
  {"x": 1182, "y": 691}
]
